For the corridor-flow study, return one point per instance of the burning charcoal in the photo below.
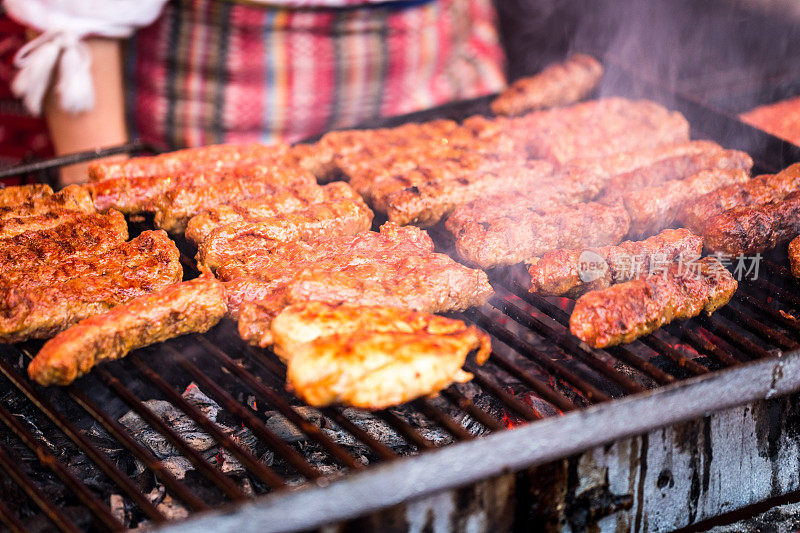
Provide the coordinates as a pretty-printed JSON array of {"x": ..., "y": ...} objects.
[
  {"x": 287, "y": 431},
  {"x": 117, "y": 506},
  {"x": 190, "y": 432},
  {"x": 177, "y": 465}
]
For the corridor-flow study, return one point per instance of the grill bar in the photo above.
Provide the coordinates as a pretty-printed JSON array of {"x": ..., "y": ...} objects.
[
  {"x": 258, "y": 427},
  {"x": 272, "y": 399},
  {"x": 563, "y": 340},
  {"x": 72, "y": 432},
  {"x": 485, "y": 321},
  {"x": 53, "y": 513},
  {"x": 95, "y": 506},
  {"x": 148, "y": 459},
  {"x": 264, "y": 473},
  {"x": 10, "y": 520},
  {"x": 222, "y": 482},
  {"x": 552, "y": 365}
]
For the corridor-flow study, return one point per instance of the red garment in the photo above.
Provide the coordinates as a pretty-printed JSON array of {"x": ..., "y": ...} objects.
[
  {"x": 21, "y": 135},
  {"x": 212, "y": 71}
]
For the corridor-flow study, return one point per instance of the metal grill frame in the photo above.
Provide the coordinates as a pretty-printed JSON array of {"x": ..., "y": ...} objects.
[{"x": 321, "y": 501}]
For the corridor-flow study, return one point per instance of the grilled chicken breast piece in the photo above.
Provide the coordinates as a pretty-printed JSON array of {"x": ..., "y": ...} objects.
[
  {"x": 188, "y": 307},
  {"x": 372, "y": 357}
]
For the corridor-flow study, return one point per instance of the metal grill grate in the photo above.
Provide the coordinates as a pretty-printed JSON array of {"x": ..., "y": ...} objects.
[
  {"x": 532, "y": 349},
  {"x": 44, "y": 433}
]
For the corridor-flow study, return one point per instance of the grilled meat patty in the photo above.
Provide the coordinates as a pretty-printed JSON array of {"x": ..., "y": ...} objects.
[
  {"x": 128, "y": 254},
  {"x": 153, "y": 193},
  {"x": 678, "y": 167},
  {"x": 307, "y": 322},
  {"x": 290, "y": 200},
  {"x": 42, "y": 311},
  {"x": 228, "y": 243},
  {"x": 19, "y": 194},
  {"x": 794, "y": 256},
  {"x": 622, "y": 313},
  {"x": 759, "y": 190},
  {"x": 396, "y": 267},
  {"x": 372, "y": 357},
  {"x": 71, "y": 198},
  {"x": 654, "y": 208},
  {"x": 429, "y": 200},
  {"x": 85, "y": 236},
  {"x": 572, "y": 272},
  {"x": 45, "y": 212},
  {"x": 189, "y": 307},
  {"x": 509, "y": 229},
  {"x": 556, "y": 85},
  {"x": 754, "y": 229},
  {"x": 174, "y": 208},
  {"x": 597, "y": 128}
]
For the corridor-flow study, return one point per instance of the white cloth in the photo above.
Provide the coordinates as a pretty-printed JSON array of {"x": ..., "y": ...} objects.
[{"x": 63, "y": 25}]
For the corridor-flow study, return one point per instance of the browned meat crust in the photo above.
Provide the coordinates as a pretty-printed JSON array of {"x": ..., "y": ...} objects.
[
  {"x": 286, "y": 259},
  {"x": 625, "y": 312},
  {"x": 568, "y": 272},
  {"x": 303, "y": 323},
  {"x": 363, "y": 144},
  {"x": 373, "y": 357},
  {"x": 794, "y": 256},
  {"x": 125, "y": 254},
  {"x": 150, "y": 193},
  {"x": 678, "y": 167},
  {"x": 556, "y": 85},
  {"x": 70, "y": 198},
  {"x": 753, "y": 229},
  {"x": 396, "y": 268},
  {"x": 582, "y": 179},
  {"x": 189, "y": 160},
  {"x": 188, "y": 307},
  {"x": 430, "y": 198},
  {"x": 289, "y": 200},
  {"x": 42, "y": 311},
  {"x": 19, "y": 194},
  {"x": 598, "y": 128},
  {"x": 85, "y": 236},
  {"x": 654, "y": 208},
  {"x": 177, "y": 206},
  {"x": 228, "y": 244},
  {"x": 509, "y": 229},
  {"x": 295, "y": 199},
  {"x": 433, "y": 283},
  {"x": 45, "y": 212},
  {"x": 759, "y": 190}
]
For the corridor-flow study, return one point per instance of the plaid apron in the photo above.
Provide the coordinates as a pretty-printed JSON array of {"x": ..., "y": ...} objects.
[{"x": 211, "y": 71}]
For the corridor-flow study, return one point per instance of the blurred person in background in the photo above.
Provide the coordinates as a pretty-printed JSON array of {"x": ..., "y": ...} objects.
[{"x": 187, "y": 73}]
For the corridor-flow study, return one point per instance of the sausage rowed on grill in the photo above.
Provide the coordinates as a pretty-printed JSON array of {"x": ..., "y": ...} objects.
[
  {"x": 509, "y": 233},
  {"x": 754, "y": 229},
  {"x": 622, "y": 313},
  {"x": 556, "y": 85},
  {"x": 572, "y": 272},
  {"x": 696, "y": 214}
]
